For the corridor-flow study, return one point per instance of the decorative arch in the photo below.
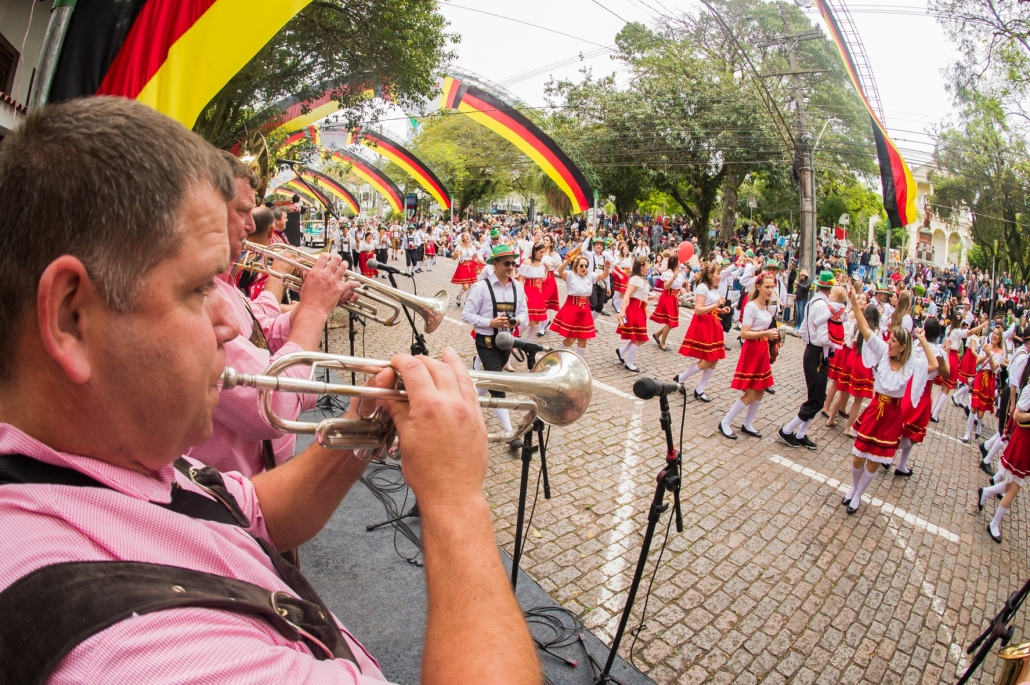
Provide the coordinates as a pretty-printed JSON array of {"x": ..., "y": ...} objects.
[
  {"x": 954, "y": 248},
  {"x": 330, "y": 187},
  {"x": 940, "y": 247},
  {"x": 372, "y": 176}
]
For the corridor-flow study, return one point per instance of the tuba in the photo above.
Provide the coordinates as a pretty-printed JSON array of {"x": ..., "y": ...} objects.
[
  {"x": 557, "y": 390},
  {"x": 255, "y": 155},
  {"x": 1015, "y": 664}
]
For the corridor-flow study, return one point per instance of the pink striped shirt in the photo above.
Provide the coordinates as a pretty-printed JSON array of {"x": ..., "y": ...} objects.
[
  {"x": 48, "y": 524},
  {"x": 239, "y": 422}
]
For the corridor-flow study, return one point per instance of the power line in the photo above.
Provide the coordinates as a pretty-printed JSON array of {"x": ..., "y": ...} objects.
[{"x": 519, "y": 21}]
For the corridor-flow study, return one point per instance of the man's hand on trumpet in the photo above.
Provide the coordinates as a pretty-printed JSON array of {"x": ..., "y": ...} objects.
[{"x": 324, "y": 289}]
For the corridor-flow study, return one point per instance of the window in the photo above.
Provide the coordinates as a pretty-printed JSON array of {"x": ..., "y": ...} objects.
[{"x": 8, "y": 65}]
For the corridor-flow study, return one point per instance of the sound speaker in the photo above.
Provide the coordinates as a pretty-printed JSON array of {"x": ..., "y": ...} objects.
[{"x": 293, "y": 228}]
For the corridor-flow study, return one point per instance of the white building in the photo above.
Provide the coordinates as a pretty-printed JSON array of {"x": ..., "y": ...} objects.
[
  {"x": 931, "y": 238},
  {"x": 22, "y": 27}
]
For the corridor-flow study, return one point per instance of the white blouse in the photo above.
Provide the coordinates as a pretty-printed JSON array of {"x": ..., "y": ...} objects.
[
  {"x": 532, "y": 271},
  {"x": 756, "y": 318},
  {"x": 466, "y": 254},
  {"x": 956, "y": 336},
  {"x": 642, "y": 288},
  {"x": 580, "y": 286},
  {"x": 876, "y": 356},
  {"x": 551, "y": 261},
  {"x": 677, "y": 280},
  {"x": 365, "y": 246},
  {"x": 711, "y": 296}
]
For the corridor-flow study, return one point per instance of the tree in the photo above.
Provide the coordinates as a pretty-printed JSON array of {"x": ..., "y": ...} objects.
[{"x": 396, "y": 44}]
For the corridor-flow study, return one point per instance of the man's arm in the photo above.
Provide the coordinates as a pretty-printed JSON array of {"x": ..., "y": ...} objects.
[{"x": 470, "y": 310}]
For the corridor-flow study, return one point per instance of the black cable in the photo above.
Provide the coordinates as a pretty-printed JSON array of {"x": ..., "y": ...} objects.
[
  {"x": 384, "y": 481},
  {"x": 536, "y": 495},
  {"x": 658, "y": 562}
]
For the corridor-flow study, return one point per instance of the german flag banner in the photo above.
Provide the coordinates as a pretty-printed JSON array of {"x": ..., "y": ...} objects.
[
  {"x": 399, "y": 155},
  {"x": 330, "y": 187},
  {"x": 174, "y": 55},
  {"x": 295, "y": 113},
  {"x": 310, "y": 133},
  {"x": 513, "y": 126},
  {"x": 374, "y": 177},
  {"x": 294, "y": 186},
  {"x": 899, "y": 188}
]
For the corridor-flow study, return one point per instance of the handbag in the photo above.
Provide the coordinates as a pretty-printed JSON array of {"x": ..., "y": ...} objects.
[{"x": 774, "y": 345}]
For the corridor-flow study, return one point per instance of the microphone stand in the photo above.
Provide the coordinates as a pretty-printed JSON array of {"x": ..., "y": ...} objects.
[
  {"x": 999, "y": 629},
  {"x": 668, "y": 480}
]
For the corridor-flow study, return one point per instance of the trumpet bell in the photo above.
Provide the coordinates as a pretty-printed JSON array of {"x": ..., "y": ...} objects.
[
  {"x": 560, "y": 386},
  {"x": 1015, "y": 664}
]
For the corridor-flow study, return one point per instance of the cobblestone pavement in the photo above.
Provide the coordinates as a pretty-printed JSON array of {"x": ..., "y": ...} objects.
[{"x": 770, "y": 581}]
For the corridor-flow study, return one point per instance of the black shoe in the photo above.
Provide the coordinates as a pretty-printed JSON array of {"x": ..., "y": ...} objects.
[
  {"x": 748, "y": 431},
  {"x": 983, "y": 450},
  {"x": 935, "y": 420},
  {"x": 885, "y": 467},
  {"x": 618, "y": 353},
  {"x": 845, "y": 502},
  {"x": 771, "y": 391},
  {"x": 964, "y": 441},
  {"x": 966, "y": 410},
  {"x": 852, "y": 509},
  {"x": 731, "y": 435},
  {"x": 515, "y": 444},
  {"x": 805, "y": 442},
  {"x": 979, "y": 499},
  {"x": 787, "y": 439},
  {"x": 954, "y": 401},
  {"x": 701, "y": 396},
  {"x": 824, "y": 413},
  {"x": 899, "y": 472},
  {"x": 605, "y": 314},
  {"x": 991, "y": 533},
  {"x": 637, "y": 370},
  {"x": 986, "y": 468}
]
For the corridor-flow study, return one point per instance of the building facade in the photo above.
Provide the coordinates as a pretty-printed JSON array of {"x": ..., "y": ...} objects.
[
  {"x": 931, "y": 238},
  {"x": 23, "y": 24}
]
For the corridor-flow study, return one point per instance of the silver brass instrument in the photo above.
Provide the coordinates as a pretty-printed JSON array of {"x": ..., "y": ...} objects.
[
  {"x": 373, "y": 296},
  {"x": 1015, "y": 664},
  {"x": 558, "y": 390}
]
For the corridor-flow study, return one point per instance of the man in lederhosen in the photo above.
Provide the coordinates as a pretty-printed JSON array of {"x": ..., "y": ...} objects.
[
  {"x": 496, "y": 303},
  {"x": 411, "y": 243},
  {"x": 816, "y": 361},
  {"x": 602, "y": 290}
]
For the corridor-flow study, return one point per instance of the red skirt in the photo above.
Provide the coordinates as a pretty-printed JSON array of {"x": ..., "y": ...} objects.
[
  {"x": 430, "y": 249},
  {"x": 465, "y": 273},
  {"x": 551, "y": 291},
  {"x": 836, "y": 366},
  {"x": 574, "y": 319},
  {"x": 836, "y": 331},
  {"x": 860, "y": 382},
  {"x": 535, "y": 299},
  {"x": 982, "y": 397},
  {"x": 704, "y": 339},
  {"x": 635, "y": 326},
  {"x": 754, "y": 370},
  {"x": 844, "y": 376},
  {"x": 967, "y": 367},
  {"x": 914, "y": 420},
  {"x": 619, "y": 280},
  {"x": 363, "y": 258},
  {"x": 1016, "y": 457},
  {"x": 668, "y": 310},
  {"x": 951, "y": 383},
  {"x": 879, "y": 427}
]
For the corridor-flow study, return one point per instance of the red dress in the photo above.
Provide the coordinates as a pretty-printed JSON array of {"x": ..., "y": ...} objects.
[
  {"x": 704, "y": 339},
  {"x": 914, "y": 420},
  {"x": 535, "y": 302},
  {"x": 635, "y": 326},
  {"x": 836, "y": 330},
  {"x": 754, "y": 370},
  {"x": 967, "y": 367},
  {"x": 465, "y": 273},
  {"x": 551, "y": 291},
  {"x": 430, "y": 248},
  {"x": 620, "y": 279},
  {"x": 363, "y": 258},
  {"x": 844, "y": 376},
  {"x": 982, "y": 397},
  {"x": 879, "y": 427},
  {"x": 574, "y": 319},
  {"x": 951, "y": 383},
  {"x": 1016, "y": 457},
  {"x": 860, "y": 380}
]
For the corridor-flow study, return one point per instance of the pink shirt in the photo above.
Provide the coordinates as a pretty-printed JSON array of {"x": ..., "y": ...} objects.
[
  {"x": 48, "y": 524},
  {"x": 239, "y": 422}
]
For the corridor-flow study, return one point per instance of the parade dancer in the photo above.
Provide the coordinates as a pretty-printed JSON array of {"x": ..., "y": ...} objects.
[
  {"x": 879, "y": 426},
  {"x": 967, "y": 368},
  {"x": 1017, "y": 366},
  {"x": 915, "y": 417},
  {"x": 552, "y": 260},
  {"x": 633, "y": 317},
  {"x": 754, "y": 367},
  {"x": 465, "y": 274},
  {"x": 667, "y": 312},
  {"x": 1015, "y": 463},
  {"x": 857, "y": 378},
  {"x": 776, "y": 302},
  {"x": 575, "y": 322},
  {"x": 818, "y": 348},
  {"x": 531, "y": 276},
  {"x": 957, "y": 334},
  {"x": 620, "y": 274},
  {"x": 704, "y": 339},
  {"x": 432, "y": 245},
  {"x": 988, "y": 362},
  {"x": 366, "y": 251},
  {"x": 835, "y": 329},
  {"x": 494, "y": 304}
]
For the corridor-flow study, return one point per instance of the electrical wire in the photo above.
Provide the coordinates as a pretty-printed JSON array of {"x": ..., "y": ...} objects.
[
  {"x": 385, "y": 481},
  {"x": 519, "y": 21}
]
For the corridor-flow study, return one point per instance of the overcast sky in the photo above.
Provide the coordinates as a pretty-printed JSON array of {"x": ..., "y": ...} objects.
[{"x": 499, "y": 42}]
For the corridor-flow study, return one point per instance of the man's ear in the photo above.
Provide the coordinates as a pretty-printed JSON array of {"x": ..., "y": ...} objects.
[{"x": 62, "y": 301}]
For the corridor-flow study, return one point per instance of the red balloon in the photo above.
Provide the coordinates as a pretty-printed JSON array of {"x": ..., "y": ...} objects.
[{"x": 685, "y": 251}]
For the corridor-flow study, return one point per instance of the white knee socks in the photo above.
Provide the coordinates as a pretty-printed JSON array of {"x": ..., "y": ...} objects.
[
  {"x": 993, "y": 440},
  {"x": 504, "y": 418},
  {"x": 794, "y": 424},
  {"x": 993, "y": 491},
  {"x": 938, "y": 404},
  {"x": 866, "y": 479},
  {"x": 629, "y": 354},
  {"x": 531, "y": 330},
  {"x": 737, "y": 407},
  {"x": 996, "y": 521},
  {"x": 581, "y": 351},
  {"x": 906, "y": 449},
  {"x": 856, "y": 478},
  {"x": 803, "y": 428},
  {"x": 993, "y": 450},
  {"x": 969, "y": 426},
  {"x": 689, "y": 372},
  {"x": 705, "y": 376},
  {"x": 752, "y": 412},
  {"x": 617, "y": 301},
  {"x": 961, "y": 393}
]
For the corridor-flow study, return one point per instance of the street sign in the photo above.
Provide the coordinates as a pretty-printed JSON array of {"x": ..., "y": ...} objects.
[{"x": 752, "y": 201}]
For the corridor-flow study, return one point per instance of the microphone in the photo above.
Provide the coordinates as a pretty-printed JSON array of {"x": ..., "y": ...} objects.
[
  {"x": 373, "y": 264},
  {"x": 647, "y": 388},
  {"x": 505, "y": 341}
]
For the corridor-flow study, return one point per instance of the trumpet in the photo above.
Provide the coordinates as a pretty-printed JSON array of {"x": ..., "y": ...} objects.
[
  {"x": 373, "y": 296},
  {"x": 557, "y": 390}
]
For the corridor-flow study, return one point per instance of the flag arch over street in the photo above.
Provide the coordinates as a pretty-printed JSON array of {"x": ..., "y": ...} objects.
[
  {"x": 406, "y": 160},
  {"x": 372, "y": 176},
  {"x": 330, "y": 186}
]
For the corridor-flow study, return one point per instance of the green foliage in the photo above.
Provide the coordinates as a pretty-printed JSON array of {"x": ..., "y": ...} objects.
[
  {"x": 399, "y": 44},
  {"x": 880, "y": 236},
  {"x": 979, "y": 258}
]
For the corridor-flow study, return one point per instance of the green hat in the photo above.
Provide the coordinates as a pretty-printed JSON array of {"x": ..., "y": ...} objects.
[
  {"x": 501, "y": 251},
  {"x": 724, "y": 261},
  {"x": 597, "y": 240},
  {"x": 883, "y": 288},
  {"x": 772, "y": 264},
  {"x": 608, "y": 241},
  {"x": 826, "y": 280},
  {"x": 494, "y": 233},
  {"x": 749, "y": 253}
]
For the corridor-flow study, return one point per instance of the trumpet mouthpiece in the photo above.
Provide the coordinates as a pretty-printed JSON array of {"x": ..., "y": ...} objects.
[{"x": 230, "y": 379}]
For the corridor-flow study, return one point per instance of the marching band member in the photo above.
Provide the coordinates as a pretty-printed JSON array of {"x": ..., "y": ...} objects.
[
  {"x": 597, "y": 263},
  {"x": 496, "y": 303},
  {"x": 574, "y": 321},
  {"x": 818, "y": 348},
  {"x": 465, "y": 275},
  {"x": 552, "y": 260},
  {"x": 988, "y": 363},
  {"x": 704, "y": 338},
  {"x": 531, "y": 276},
  {"x": 916, "y": 417},
  {"x": 633, "y": 317},
  {"x": 410, "y": 243},
  {"x": 620, "y": 275},
  {"x": 1015, "y": 463},
  {"x": 667, "y": 311},
  {"x": 1017, "y": 365},
  {"x": 382, "y": 247},
  {"x": 754, "y": 368},
  {"x": 250, "y": 282},
  {"x": 367, "y": 250},
  {"x": 879, "y": 426}
]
